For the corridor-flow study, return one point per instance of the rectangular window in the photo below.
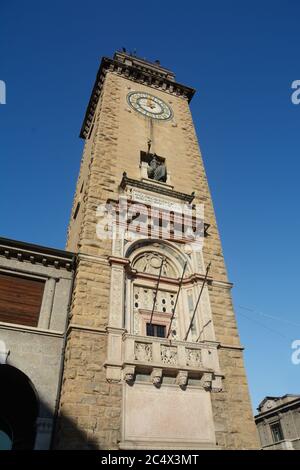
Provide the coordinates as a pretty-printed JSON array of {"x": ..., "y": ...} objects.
[
  {"x": 277, "y": 432},
  {"x": 156, "y": 330},
  {"x": 20, "y": 299}
]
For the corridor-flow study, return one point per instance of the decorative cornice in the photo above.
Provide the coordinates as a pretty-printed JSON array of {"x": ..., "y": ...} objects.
[
  {"x": 193, "y": 278},
  {"x": 222, "y": 284},
  {"x": 92, "y": 258},
  {"x": 22, "y": 251},
  {"x": 231, "y": 346},
  {"x": 88, "y": 329},
  {"x": 155, "y": 188},
  {"x": 118, "y": 260},
  {"x": 146, "y": 73},
  {"x": 144, "y": 65}
]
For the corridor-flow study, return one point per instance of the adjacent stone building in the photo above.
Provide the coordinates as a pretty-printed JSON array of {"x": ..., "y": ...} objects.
[
  {"x": 35, "y": 289},
  {"x": 278, "y": 423},
  {"x": 142, "y": 350}
]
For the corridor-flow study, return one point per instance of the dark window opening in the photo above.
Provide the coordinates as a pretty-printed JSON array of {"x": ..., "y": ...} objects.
[
  {"x": 156, "y": 330},
  {"x": 76, "y": 211},
  {"x": 277, "y": 432}
]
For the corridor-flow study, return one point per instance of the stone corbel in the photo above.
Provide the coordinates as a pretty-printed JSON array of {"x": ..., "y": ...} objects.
[
  {"x": 217, "y": 384},
  {"x": 128, "y": 374},
  {"x": 206, "y": 380},
  {"x": 156, "y": 377},
  {"x": 182, "y": 378}
]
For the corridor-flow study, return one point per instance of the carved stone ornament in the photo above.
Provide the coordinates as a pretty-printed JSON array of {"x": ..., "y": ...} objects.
[
  {"x": 168, "y": 355},
  {"x": 193, "y": 357},
  {"x": 156, "y": 377},
  {"x": 150, "y": 263},
  {"x": 206, "y": 380},
  {"x": 129, "y": 373},
  {"x": 217, "y": 385},
  {"x": 182, "y": 378},
  {"x": 143, "y": 352}
]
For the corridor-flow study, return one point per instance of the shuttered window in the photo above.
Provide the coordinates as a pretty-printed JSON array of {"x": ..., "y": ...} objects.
[{"x": 20, "y": 299}]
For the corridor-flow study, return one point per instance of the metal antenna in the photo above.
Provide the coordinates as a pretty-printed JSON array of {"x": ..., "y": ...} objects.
[
  {"x": 203, "y": 328},
  {"x": 174, "y": 308},
  {"x": 158, "y": 280},
  {"x": 197, "y": 303}
]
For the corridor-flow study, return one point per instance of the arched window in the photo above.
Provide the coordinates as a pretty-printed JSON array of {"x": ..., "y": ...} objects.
[{"x": 149, "y": 304}]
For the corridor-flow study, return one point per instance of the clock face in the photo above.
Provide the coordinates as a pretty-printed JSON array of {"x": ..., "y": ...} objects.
[{"x": 149, "y": 105}]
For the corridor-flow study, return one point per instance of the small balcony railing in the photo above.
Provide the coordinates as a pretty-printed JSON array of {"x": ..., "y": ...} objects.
[{"x": 197, "y": 360}]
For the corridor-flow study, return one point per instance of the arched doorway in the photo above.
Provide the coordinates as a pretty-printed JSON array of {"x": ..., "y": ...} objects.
[
  {"x": 19, "y": 407},
  {"x": 5, "y": 436}
]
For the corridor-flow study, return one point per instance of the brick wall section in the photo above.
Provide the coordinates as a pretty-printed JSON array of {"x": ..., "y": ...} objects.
[{"x": 114, "y": 146}]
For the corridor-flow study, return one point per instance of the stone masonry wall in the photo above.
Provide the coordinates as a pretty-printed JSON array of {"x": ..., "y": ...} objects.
[{"x": 118, "y": 136}]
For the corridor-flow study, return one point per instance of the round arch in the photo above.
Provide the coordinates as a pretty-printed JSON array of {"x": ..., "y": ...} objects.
[
  {"x": 163, "y": 247},
  {"x": 19, "y": 408}
]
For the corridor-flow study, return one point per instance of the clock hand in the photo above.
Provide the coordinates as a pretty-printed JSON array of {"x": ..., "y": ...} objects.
[{"x": 150, "y": 103}]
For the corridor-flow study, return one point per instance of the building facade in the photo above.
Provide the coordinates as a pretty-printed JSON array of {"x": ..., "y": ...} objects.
[
  {"x": 35, "y": 289},
  {"x": 153, "y": 357},
  {"x": 278, "y": 423}
]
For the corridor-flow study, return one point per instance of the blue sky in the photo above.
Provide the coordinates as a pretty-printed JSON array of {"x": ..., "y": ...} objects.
[{"x": 242, "y": 58}]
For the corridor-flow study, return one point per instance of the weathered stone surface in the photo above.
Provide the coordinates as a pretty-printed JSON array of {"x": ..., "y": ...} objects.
[{"x": 113, "y": 147}]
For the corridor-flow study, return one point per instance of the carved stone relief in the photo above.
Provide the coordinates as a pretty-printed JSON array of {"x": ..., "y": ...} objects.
[
  {"x": 143, "y": 352},
  {"x": 168, "y": 355},
  {"x": 193, "y": 357},
  {"x": 150, "y": 263}
]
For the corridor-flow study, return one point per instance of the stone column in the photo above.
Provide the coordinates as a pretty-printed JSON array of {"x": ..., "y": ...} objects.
[
  {"x": 47, "y": 304},
  {"x": 116, "y": 319}
]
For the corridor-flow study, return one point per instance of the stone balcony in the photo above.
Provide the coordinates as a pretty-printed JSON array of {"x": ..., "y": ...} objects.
[{"x": 159, "y": 357}]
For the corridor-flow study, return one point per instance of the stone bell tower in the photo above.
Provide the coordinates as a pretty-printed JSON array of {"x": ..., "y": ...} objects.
[{"x": 153, "y": 357}]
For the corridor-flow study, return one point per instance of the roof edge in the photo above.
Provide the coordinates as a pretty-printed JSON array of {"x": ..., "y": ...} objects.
[{"x": 131, "y": 72}]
